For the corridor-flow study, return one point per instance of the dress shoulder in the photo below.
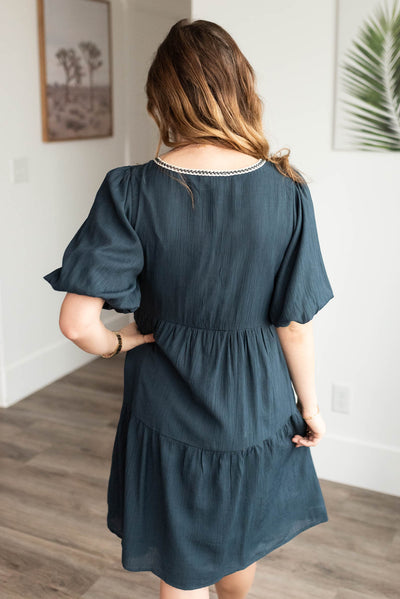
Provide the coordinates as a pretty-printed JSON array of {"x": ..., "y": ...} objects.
[{"x": 105, "y": 256}]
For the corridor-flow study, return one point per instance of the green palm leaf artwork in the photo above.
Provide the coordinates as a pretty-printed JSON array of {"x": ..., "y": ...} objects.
[{"x": 371, "y": 78}]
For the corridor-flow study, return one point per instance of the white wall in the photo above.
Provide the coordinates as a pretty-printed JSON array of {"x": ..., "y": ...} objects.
[
  {"x": 39, "y": 217},
  {"x": 291, "y": 46},
  {"x": 356, "y": 197},
  {"x": 149, "y": 23}
]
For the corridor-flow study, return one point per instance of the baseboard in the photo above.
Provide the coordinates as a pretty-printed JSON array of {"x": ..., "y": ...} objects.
[
  {"x": 359, "y": 463},
  {"x": 39, "y": 369}
]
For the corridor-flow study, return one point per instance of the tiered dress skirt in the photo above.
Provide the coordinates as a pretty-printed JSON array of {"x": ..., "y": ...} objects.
[{"x": 204, "y": 482}]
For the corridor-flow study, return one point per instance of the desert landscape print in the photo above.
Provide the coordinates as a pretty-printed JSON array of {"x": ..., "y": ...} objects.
[{"x": 76, "y": 69}]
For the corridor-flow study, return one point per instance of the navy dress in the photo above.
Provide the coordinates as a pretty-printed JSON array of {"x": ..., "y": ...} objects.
[{"x": 204, "y": 478}]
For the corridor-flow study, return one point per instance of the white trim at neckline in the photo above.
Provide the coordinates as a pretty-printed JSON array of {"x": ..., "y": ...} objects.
[{"x": 203, "y": 171}]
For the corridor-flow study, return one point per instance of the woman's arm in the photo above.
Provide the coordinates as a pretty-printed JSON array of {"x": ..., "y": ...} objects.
[
  {"x": 80, "y": 322},
  {"x": 297, "y": 341}
]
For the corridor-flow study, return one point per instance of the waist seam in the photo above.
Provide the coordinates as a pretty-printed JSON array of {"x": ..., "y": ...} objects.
[{"x": 262, "y": 325}]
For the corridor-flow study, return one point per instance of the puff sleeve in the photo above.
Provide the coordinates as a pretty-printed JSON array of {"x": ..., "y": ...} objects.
[
  {"x": 105, "y": 256},
  {"x": 301, "y": 285}
]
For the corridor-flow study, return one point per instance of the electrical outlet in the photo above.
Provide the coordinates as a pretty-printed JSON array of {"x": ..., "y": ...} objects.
[{"x": 341, "y": 398}]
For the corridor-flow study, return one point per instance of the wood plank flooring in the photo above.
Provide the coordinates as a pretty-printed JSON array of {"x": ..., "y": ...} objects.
[{"x": 55, "y": 456}]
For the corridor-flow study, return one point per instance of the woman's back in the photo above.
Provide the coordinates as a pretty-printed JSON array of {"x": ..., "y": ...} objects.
[
  {"x": 214, "y": 265},
  {"x": 204, "y": 263}
]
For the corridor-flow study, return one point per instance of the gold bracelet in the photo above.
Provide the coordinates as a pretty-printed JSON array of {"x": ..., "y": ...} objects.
[
  {"x": 117, "y": 349},
  {"x": 309, "y": 417}
]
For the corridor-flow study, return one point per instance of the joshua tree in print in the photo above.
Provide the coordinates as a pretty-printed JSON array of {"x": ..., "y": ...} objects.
[
  {"x": 70, "y": 62},
  {"x": 91, "y": 54}
]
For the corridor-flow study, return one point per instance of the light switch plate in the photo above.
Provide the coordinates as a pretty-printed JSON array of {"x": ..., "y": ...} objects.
[{"x": 19, "y": 170}]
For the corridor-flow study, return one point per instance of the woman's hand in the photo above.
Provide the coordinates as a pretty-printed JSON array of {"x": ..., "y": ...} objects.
[
  {"x": 132, "y": 337},
  {"x": 316, "y": 429}
]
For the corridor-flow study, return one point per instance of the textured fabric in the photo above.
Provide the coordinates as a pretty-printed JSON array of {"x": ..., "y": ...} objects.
[
  {"x": 105, "y": 255},
  {"x": 301, "y": 284},
  {"x": 204, "y": 477}
]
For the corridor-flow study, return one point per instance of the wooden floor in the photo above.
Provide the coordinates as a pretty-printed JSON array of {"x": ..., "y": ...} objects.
[{"x": 55, "y": 455}]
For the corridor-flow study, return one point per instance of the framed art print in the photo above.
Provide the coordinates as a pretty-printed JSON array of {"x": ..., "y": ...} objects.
[
  {"x": 75, "y": 69},
  {"x": 367, "y": 103}
]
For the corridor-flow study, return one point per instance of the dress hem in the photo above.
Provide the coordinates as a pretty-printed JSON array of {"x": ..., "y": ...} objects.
[{"x": 203, "y": 583}]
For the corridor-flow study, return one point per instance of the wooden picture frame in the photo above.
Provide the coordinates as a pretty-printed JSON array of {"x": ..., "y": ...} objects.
[{"x": 75, "y": 53}]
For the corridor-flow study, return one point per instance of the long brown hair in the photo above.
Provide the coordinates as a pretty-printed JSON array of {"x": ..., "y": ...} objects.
[{"x": 201, "y": 89}]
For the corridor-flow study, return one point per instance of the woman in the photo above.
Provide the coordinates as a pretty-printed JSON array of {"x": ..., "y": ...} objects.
[{"x": 214, "y": 247}]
